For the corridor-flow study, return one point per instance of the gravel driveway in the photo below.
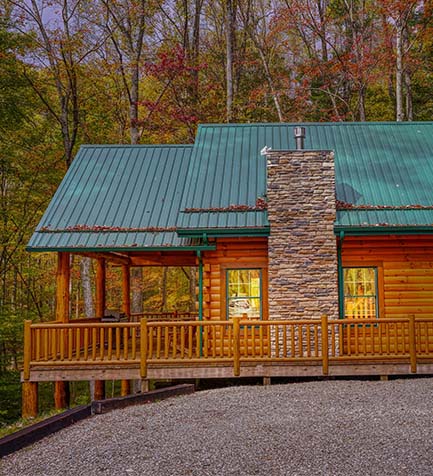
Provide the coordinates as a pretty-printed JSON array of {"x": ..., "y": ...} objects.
[{"x": 326, "y": 428}]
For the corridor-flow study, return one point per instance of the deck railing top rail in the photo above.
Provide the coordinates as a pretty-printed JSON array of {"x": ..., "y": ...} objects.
[{"x": 237, "y": 340}]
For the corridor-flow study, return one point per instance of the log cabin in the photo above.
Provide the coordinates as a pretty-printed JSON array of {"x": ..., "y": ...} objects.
[{"x": 313, "y": 245}]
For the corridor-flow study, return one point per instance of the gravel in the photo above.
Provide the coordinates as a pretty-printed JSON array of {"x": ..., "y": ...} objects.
[{"x": 315, "y": 428}]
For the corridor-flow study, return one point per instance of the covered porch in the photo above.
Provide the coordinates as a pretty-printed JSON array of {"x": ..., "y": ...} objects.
[{"x": 189, "y": 345}]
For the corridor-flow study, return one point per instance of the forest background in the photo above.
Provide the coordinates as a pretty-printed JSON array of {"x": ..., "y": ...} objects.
[{"x": 148, "y": 71}]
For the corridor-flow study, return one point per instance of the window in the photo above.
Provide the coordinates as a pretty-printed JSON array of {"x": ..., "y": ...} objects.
[
  {"x": 244, "y": 293},
  {"x": 360, "y": 293}
]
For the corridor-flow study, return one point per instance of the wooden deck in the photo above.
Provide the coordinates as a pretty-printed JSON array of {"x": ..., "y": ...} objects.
[{"x": 221, "y": 349}]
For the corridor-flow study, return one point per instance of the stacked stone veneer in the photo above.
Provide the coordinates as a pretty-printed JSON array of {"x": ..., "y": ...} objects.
[{"x": 302, "y": 245}]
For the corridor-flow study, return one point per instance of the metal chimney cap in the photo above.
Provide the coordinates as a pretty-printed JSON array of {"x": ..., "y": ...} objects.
[{"x": 299, "y": 132}]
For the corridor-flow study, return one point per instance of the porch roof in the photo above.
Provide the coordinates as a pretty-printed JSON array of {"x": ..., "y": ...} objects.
[{"x": 117, "y": 197}]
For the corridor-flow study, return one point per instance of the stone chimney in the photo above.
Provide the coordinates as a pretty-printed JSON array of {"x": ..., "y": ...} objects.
[{"x": 302, "y": 245}]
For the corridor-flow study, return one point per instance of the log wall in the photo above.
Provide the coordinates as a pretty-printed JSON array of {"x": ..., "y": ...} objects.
[
  {"x": 405, "y": 266},
  {"x": 232, "y": 253}
]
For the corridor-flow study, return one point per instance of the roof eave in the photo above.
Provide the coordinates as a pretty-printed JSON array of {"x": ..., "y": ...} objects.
[
  {"x": 383, "y": 230},
  {"x": 223, "y": 232},
  {"x": 208, "y": 247}
]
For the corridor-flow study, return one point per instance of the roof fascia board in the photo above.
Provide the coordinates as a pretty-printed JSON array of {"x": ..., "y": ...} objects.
[
  {"x": 212, "y": 232},
  {"x": 383, "y": 230},
  {"x": 123, "y": 249}
]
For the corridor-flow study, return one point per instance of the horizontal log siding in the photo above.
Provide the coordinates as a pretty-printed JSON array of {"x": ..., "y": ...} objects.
[
  {"x": 407, "y": 271},
  {"x": 231, "y": 253},
  {"x": 406, "y": 284}
]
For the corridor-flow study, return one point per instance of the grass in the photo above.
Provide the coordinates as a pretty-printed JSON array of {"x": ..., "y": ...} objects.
[
  {"x": 25, "y": 422},
  {"x": 10, "y": 400}
]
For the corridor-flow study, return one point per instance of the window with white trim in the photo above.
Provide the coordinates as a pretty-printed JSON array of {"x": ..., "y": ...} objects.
[{"x": 244, "y": 293}]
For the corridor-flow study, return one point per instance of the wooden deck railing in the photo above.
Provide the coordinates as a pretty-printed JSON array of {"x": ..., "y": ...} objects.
[
  {"x": 164, "y": 316},
  {"x": 236, "y": 342}
]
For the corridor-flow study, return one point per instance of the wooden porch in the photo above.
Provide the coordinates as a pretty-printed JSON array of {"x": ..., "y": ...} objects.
[{"x": 181, "y": 349}]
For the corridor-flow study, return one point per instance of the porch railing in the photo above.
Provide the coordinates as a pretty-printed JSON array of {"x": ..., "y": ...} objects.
[
  {"x": 236, "y": 342},
  {"x": 164, "y": 316}
]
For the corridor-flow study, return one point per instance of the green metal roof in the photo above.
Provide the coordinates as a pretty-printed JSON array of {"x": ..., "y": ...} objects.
[
  {"x": 377, "y": 164},
  {"x": 117, "y": 197},
  {"x": 164, "y": 197}
]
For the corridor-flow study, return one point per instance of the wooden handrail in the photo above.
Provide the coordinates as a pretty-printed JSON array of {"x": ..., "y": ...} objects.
[{"x": 239, "y": 341}]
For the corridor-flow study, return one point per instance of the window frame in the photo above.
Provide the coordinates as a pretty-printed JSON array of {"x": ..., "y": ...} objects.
[
  {"x": 378, "y": 267},
  {"x": 226, "y": 271}
]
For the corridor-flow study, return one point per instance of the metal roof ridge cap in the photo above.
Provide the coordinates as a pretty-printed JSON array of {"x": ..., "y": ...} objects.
[
  {"x": 301, "y": 150},
  {"x": 133, "y": 146},
  {"x": 340, "y": 123}
]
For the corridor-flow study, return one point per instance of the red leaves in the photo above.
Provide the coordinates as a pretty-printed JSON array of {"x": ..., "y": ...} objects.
[
  {"x": 171, "y": 63},
  {"x": 260, "y": 205},
  {"x": 106, "y": 229},
  {"x": 342, "y": 205}
]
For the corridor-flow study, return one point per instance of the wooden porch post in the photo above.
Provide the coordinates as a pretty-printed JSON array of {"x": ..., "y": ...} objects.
[
  {"x": 61, "y": 388},
  {"x": 99, "y": 385},
  {"x": 125, "y": 385},
  {"x": 29, "y": 407}
]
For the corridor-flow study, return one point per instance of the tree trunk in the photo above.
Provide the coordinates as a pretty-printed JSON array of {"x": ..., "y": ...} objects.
[
  {"x": 229, "y": 60},
  {"x": 133, "y": 106},
  {"x": 408, "y": 93},
  {"x": 407, "y": 79},
  {"x": 399, "y": 113},
  {"x": 192, "y": 289},
  {"x": 137, "y": 290},
  {"x": 321, "y": 6},
  {"x": 195, "y": 49},
  {"x": 164, "y": 289},
  {"x": 270, "y": 83},
  {"x": 361, "y": 103},
  {"x": 86, "y": 284}
]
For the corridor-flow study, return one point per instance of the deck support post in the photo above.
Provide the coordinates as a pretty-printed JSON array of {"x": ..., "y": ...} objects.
[
  {"x": 266, "y": 381},
  {"x": 98, "y": 390},
  {"x": 125, "y": 385},
  {"x": 99, "y": 385},
  {"x": 125, "y": 388},
  {"x": 29, "y": 400},
  {"x": 61, "y": 395},
  {"x": 144, "y": 385},
  {"x": 325, "y": 345},
  {"x": 61, "y": 388}
]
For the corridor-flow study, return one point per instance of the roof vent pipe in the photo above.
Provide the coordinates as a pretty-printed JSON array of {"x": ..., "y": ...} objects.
[{"x": 299, "y": 133}]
